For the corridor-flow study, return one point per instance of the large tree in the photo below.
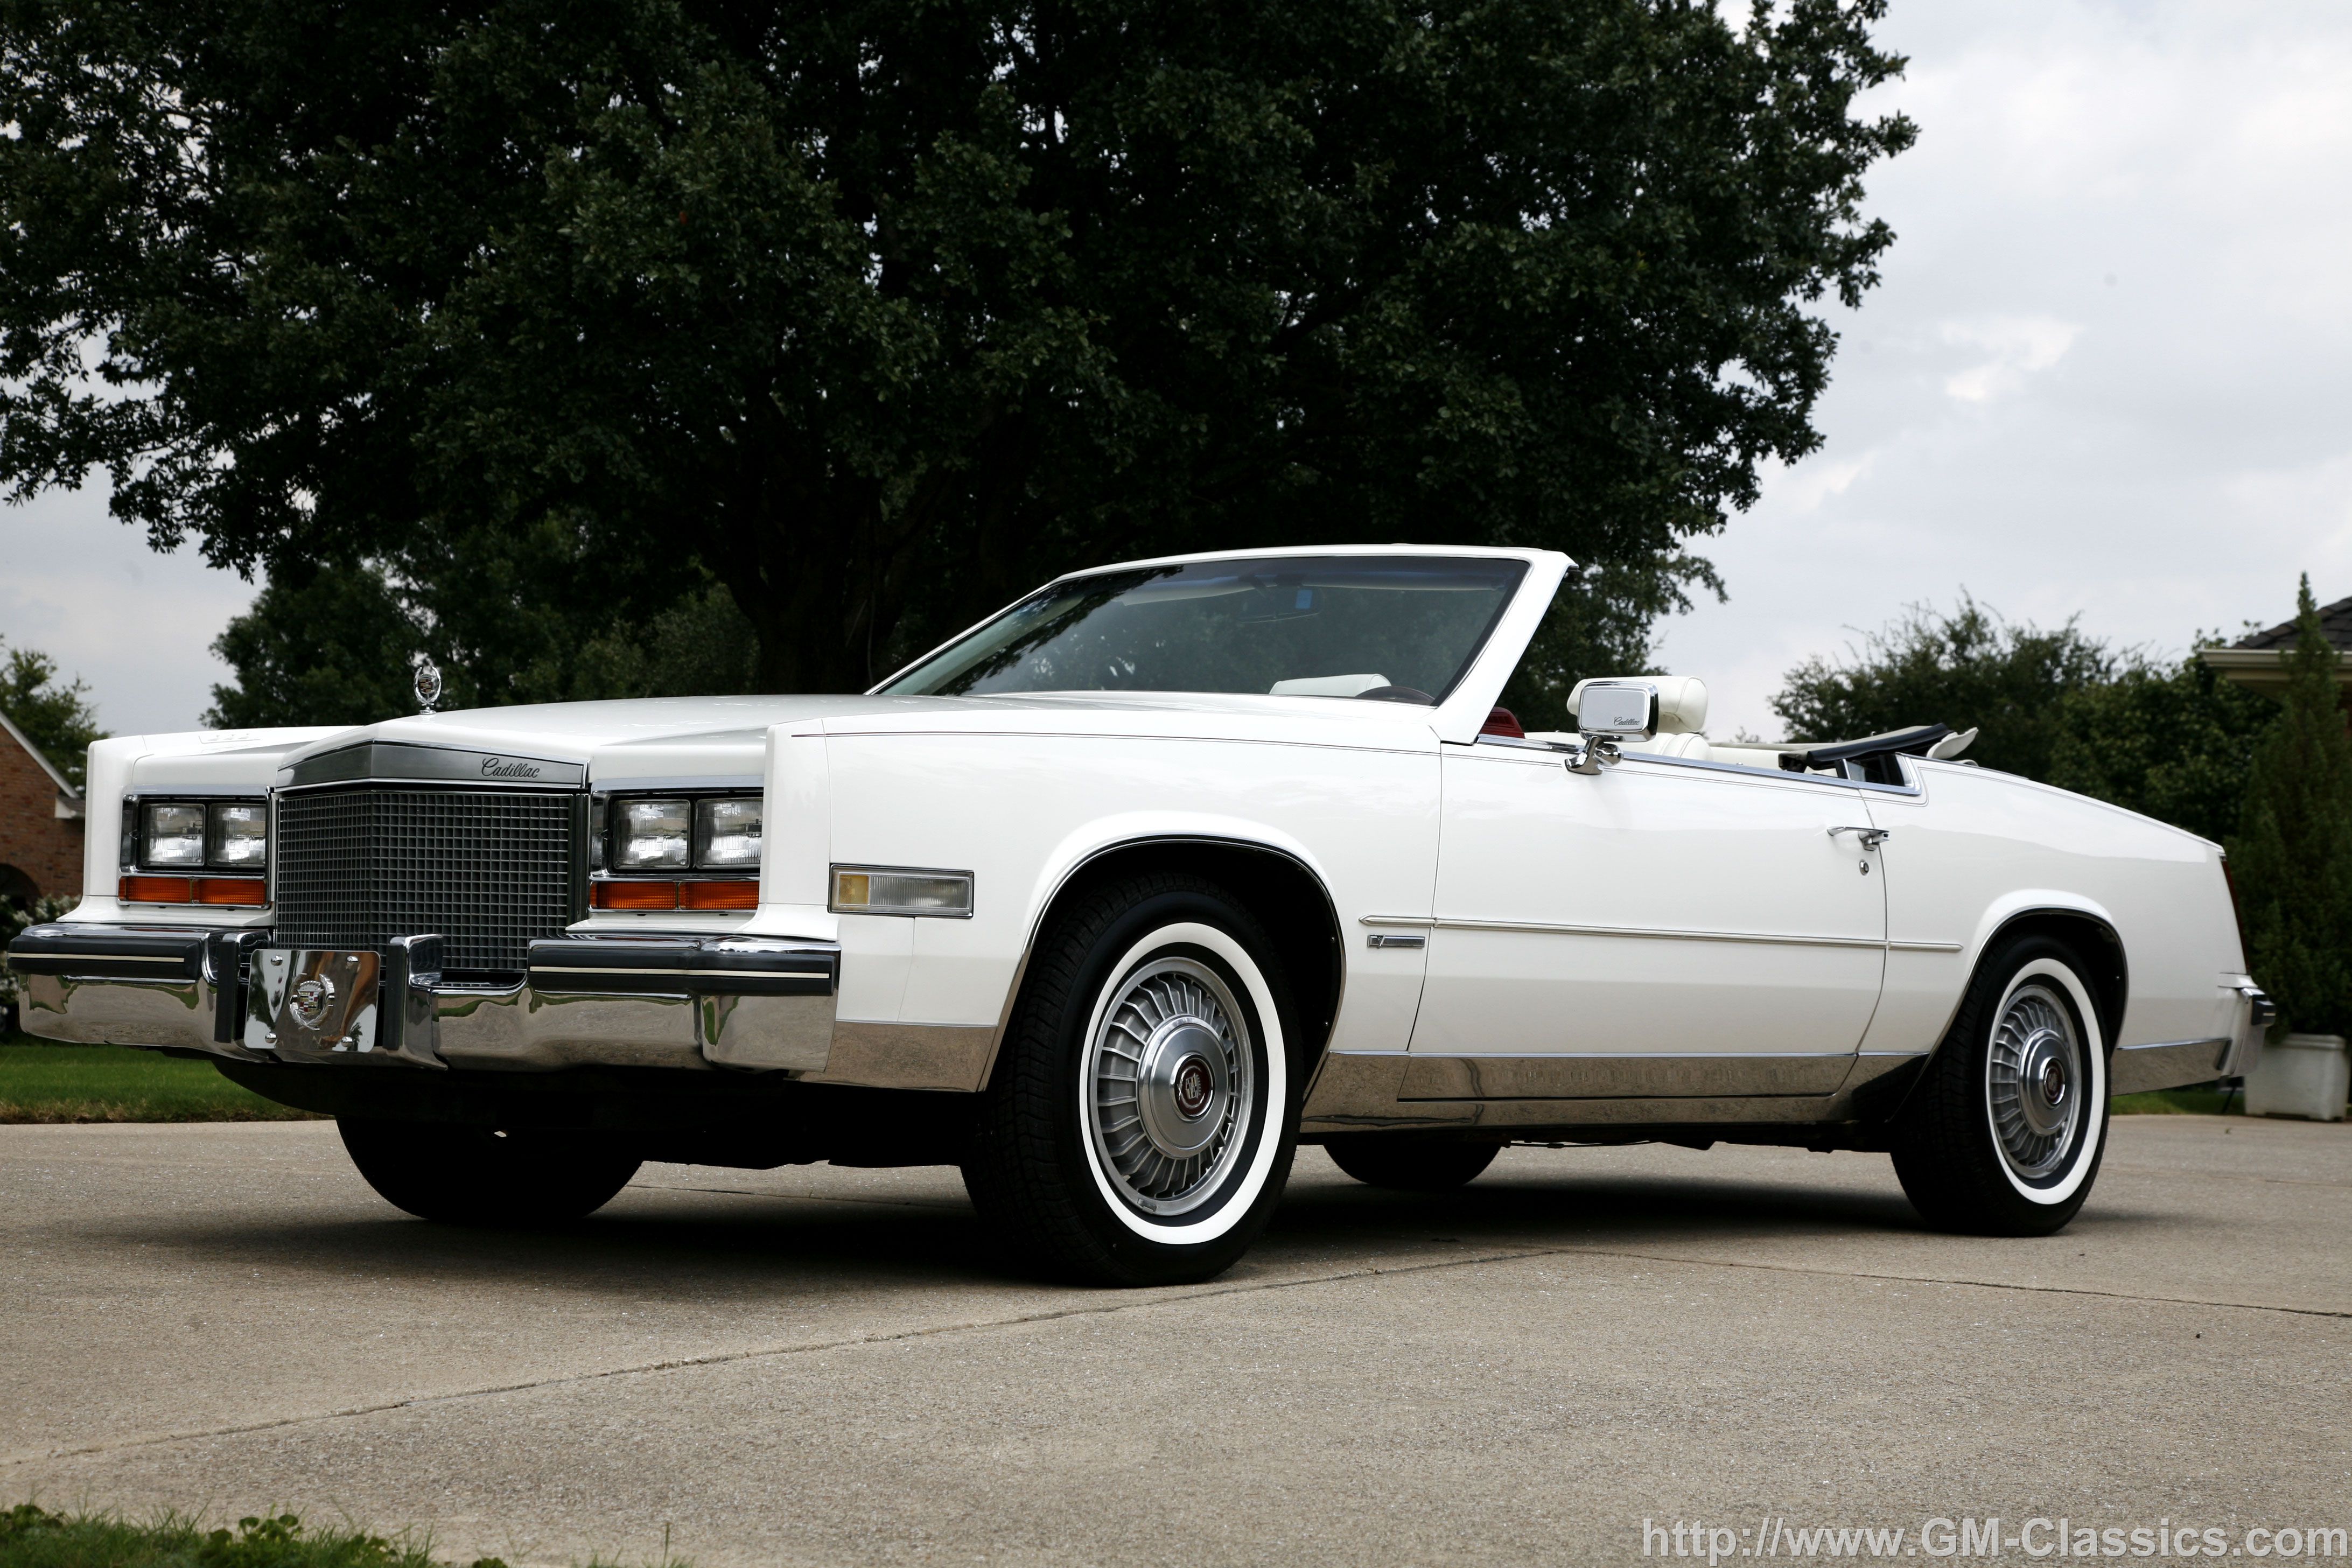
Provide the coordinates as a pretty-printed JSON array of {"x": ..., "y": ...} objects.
[
  {"x": 878, "y": 313},
  {"x": 56, "y": 715}
]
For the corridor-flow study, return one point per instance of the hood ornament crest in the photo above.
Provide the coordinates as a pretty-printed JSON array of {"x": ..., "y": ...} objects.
[{"x": 428, "y": 684}]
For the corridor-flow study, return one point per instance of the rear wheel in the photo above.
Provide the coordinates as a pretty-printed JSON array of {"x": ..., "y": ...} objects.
[
  {"x": 1411, "y": 1164},
  {"x": 472, "y": 1175},
  {"x": 2004, "y": 1135},
  {"x": 1140, "y": 1125}
]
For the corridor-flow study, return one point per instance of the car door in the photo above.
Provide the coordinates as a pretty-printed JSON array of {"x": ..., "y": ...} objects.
[{"x": 1661, "y": 927}]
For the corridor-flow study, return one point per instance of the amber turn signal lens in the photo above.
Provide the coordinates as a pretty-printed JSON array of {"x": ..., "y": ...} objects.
[
  {"x": 155, "y": 890},
  {"x": 637, "y": 895},
  {"x": 736, "y": 894},
  {"x": 249, "y": 890}
]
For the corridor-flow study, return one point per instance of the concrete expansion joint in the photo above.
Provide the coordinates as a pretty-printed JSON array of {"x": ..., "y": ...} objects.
[{"x": 1134, "y": 1302}]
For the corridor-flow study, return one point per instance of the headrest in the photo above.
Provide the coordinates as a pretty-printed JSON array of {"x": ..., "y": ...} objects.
[{"x": 1682, "y": 699}]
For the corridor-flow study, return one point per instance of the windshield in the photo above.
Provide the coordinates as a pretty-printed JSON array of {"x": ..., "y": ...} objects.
[{"x": 1399, "y": 627}]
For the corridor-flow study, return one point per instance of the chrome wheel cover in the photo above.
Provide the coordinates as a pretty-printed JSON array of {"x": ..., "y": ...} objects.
[
  {"x": 1170, "y": 1084},
  {"x": 2036, "y": 1079}
]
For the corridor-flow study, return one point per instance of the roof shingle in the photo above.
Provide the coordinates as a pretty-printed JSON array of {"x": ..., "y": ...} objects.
[{"x": 2335, "y": 619}]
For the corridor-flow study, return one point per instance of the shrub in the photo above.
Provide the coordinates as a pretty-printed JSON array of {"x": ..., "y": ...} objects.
[{"x": 2294, "y": 861}]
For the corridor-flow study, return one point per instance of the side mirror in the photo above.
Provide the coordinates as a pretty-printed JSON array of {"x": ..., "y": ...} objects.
[
  {"x": 1619, "y": 712},
  {"x": 1606, "y": 713}
]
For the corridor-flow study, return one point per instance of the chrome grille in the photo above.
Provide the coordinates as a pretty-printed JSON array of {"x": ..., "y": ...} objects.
[{"x": 487, "y": 869}]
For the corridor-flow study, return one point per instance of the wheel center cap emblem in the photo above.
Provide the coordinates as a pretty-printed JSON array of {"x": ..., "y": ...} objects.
[
  {"x": 1193, "y": 1087},
  {"x": 2054, "y": 1082},
  {"x": 310, "y": 999}
]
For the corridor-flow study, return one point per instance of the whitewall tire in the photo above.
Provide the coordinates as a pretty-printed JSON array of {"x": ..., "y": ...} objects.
[
  {"x": 2004, "y": 1134},
  {"x": 1139, "y": 1124}
]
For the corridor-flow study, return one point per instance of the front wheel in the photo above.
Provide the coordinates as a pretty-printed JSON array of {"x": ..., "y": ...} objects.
[
  {"x": 472, "y": 1175},
  {"x": 2004, "y": 1135},
  {"x": 1140, "y": 1125}
]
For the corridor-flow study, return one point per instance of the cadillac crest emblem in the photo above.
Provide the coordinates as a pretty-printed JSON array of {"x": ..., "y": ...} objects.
[{"x": 428, "y": 683}]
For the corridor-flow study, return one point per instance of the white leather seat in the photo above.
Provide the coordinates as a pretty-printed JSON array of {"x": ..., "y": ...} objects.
[{"x": 1682, "y": 702}]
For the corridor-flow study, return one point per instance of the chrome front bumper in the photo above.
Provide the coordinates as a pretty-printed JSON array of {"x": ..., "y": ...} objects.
[{"x": 757, "y": 1003}]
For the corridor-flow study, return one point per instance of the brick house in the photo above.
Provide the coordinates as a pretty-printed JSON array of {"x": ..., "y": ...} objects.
[{"x": 40, "y": 822}]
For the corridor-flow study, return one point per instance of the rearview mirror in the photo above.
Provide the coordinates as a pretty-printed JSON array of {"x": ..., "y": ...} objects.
[{"x": 1623, "y": 712}]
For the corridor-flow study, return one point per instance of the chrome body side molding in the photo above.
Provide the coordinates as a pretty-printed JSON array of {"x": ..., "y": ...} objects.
[{"x": 1446, "y": 922}]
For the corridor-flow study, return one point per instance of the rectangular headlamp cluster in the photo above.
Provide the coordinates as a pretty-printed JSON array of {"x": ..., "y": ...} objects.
[
  {"x": 653, "y": 835},
  {"x": 718, "y": 833},
  {"x": 202, "y": 836},
  {"x": 186, "y": 839},
  {"x": 900, "y": 890}
]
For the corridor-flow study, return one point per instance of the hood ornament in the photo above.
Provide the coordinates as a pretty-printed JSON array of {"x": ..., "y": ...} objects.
[{"x": 428, "y": 684}]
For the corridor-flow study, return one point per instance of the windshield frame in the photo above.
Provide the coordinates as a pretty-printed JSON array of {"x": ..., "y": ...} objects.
[
  {"x": 1141, "y": 572},
  {"x": 1456, "y": 719}
]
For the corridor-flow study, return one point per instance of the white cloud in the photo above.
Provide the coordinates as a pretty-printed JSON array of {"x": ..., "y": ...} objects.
[
  {"x": 137, "y": 626},
  {"x": 2013, "y": 348},
  {"x": 2104, "y": 374},
  {"x": 1805, "y": 487}
]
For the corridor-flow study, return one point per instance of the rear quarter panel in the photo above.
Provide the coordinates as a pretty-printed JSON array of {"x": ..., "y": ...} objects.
[{"x": 1974, "y": 850}]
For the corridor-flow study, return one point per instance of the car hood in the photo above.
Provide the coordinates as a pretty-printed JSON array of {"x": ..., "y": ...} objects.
[{"x": 682, "y": 738}]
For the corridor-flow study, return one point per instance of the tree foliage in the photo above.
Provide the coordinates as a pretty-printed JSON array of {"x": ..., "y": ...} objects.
[
  {"x": 2172, "y": 742},
  {"x": 1970, "y": 669},
  {"x": 340, "y": 649},
  {"x": 2294, "y": 862},
  {"x": 878, "y": 315},
  {"x": 56, "y": 716}
]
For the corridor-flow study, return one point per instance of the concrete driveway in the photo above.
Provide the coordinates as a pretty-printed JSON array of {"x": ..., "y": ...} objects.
[{"x": 816, "y": 1365}]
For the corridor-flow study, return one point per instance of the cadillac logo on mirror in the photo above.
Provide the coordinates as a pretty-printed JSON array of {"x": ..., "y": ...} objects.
[
  {"x": 428, "y": 683},
  {"x": 311, "y": 1000}
]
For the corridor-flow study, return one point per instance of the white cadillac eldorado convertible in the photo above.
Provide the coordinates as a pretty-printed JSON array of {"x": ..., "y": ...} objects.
[{"x": 1118, "y": 897}]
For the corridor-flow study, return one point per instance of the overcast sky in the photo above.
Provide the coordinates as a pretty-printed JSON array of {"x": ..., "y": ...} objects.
[{"x": 2109, "y": 372}]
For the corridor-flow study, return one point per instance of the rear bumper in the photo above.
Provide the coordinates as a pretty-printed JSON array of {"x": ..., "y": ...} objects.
[{"x": 661, "y": 1002}]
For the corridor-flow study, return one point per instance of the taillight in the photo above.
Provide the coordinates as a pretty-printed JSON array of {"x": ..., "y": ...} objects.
[
  {"x": 2237, "y": 911},
  {"x": 1503, "y": 722}
]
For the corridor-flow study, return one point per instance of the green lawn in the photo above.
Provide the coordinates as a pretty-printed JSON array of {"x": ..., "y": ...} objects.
[
  {"x": 2203, "y": 1100},
  {"x": 32, "y": 1537},
  {"x": 45, "y": 1082}
]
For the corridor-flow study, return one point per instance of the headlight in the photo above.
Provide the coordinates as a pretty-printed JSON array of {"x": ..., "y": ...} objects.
[
  {"x": 726, "y": 834},
  {"x": 653, "y": 836},
  {"x": 239, "y": 837},
  {"x": 173, "y": 836}
]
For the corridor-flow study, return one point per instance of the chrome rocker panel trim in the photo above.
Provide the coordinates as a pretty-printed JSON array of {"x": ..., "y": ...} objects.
[
  {"x": 1362, "y": 1090},
  {"x": 2135, "y": 1069}
]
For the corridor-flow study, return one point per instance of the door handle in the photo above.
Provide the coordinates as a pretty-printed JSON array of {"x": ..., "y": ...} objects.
[{"x": 1870, "y": 837}]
